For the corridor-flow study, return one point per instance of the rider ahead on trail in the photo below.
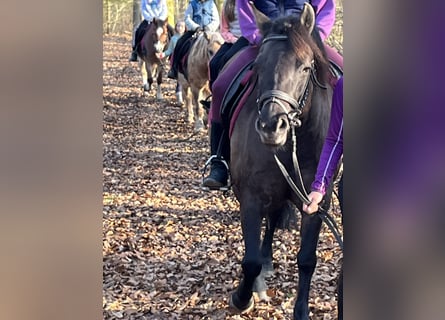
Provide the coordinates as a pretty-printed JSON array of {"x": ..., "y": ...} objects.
[
  {"x": 219, "y": 140},
  {"x": 151, "y": 9},
  {"x": 199, "y": 15}
]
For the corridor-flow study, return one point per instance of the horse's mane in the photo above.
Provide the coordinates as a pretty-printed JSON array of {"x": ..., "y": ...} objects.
[{"x": 200, "y": 47}]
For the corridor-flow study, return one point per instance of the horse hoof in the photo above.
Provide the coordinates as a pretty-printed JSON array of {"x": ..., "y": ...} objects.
[
  {"x": 262, "y": 295},
  {"x": 199, "y": 125},
  {"x": 267, "y": 269},
  {"x": 146, "y": 88},
  {"x": 248, "y": 308},
  {"x": 159, "y": 95}
]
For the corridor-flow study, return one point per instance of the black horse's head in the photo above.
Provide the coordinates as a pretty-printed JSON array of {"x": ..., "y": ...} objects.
[{"x": 288, "y": 64}]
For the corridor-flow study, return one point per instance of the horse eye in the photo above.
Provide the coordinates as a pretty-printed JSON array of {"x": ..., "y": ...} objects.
[
  {"x": 306, "y": 69},
  {"x": 211, "y": 52}
]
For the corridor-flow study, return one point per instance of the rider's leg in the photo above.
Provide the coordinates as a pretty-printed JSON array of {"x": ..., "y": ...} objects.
[
  {"x": 214, "y": 64},
  {"x": 178, "y": 53},
  {"x": 220, "y": 149},
  {"x": 138, "y": 34},
  {"x": 219, "y": 139}
]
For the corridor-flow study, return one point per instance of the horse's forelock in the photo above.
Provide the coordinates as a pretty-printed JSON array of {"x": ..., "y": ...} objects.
[
  {"x": 305, "y": 44},
  {"x": 159, "y": 31},
  {"x": 159, "y": 28}
]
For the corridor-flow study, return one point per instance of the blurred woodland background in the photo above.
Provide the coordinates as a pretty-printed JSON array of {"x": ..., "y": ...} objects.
[{"x": 121, "y": 17}]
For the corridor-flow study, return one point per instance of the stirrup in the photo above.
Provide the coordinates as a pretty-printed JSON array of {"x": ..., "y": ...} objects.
[{"x": 229, "y": 182}]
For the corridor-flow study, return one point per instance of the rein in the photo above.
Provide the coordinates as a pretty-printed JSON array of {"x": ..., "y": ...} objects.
[
  {"x": 278, "y": 97},
  {"x": 303, "y": 195}
]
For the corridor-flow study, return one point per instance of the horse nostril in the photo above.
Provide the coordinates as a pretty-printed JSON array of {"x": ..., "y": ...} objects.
[
  {"x": 282, "y": 124},
  {"x": 259, "y": 124}
]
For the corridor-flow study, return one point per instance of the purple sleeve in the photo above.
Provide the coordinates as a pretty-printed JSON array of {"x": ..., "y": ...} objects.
[
  {"x": 247, "y": 23},
  {"x": 333, "y": 145},
  {"x": 325, "y": 16}
]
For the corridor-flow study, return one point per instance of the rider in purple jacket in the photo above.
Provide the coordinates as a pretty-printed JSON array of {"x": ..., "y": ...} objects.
[
  {"x": 324, "y": 12},
  {"x": 219, "y": 143}
]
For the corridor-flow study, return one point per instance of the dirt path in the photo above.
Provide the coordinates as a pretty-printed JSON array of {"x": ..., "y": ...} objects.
[{"x": 172, "y": 251}]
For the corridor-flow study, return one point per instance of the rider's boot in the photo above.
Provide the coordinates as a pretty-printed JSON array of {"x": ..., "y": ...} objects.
[
  {"x": 134, "y": 55},
  {"x": 219, "y": 174},
  {"x": 172, "y": 74}
]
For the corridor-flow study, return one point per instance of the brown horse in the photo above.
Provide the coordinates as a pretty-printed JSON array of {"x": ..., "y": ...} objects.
[
  {"x": 155, "y": 41},
  {"x": 283, "y": 123},
  {"x": 195, "y": 85}
]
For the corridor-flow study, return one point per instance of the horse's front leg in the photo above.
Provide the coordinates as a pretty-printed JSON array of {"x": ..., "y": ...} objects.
[
  {"x": 144, "y": 74},
  {"x": 159, "y": 95},
  {"x": 307, "y": 260},
  {"x": 148, "y": 81},
  {"x": 187, "y": 96},
  {"x": 197, "y": 109},
  {"x": 259, "y": 286},
  {"x": 242, "y": 300},
  {"x": 266, "y": 245}
]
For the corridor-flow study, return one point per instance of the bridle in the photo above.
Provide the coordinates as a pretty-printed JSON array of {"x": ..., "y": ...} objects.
[
  {"x": 297, "y": 106},
  {"x": 278, "y": 96}
]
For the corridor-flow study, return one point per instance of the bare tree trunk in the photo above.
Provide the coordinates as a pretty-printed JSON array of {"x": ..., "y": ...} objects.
[
  {"x": 177, "y": 16},
  {"x": 107, "y": 8},
  {"x": 136, "y": 13}
]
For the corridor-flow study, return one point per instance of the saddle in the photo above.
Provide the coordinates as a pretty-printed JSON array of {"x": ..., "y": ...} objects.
[
  {"x": 185, "y": 51},
  {"x": 235, "y": 95}
]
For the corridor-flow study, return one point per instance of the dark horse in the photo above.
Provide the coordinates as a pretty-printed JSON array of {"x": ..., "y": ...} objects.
[
  {"x": 290, "y": 102},
  {"x": 155, "y": 41}
]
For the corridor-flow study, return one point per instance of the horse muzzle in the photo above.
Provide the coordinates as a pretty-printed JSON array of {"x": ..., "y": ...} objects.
[
  {"x": 272, "y": 130},
  {"x": 159, "y": 47}
]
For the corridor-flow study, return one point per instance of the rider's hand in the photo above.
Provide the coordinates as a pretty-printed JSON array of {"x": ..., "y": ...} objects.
[{"x": 315, "y": 197}]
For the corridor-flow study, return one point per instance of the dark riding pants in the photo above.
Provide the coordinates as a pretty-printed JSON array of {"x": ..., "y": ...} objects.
[
  {"x": 225, "y": 52},
  {"x": 140, "y": 31},
  {"x": 224, "y": 79}
]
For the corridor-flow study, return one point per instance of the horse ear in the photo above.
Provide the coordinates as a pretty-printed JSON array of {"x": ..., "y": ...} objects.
[
  {"x": 260, "y": 17},
  {"x": 307, "y": 17}
]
